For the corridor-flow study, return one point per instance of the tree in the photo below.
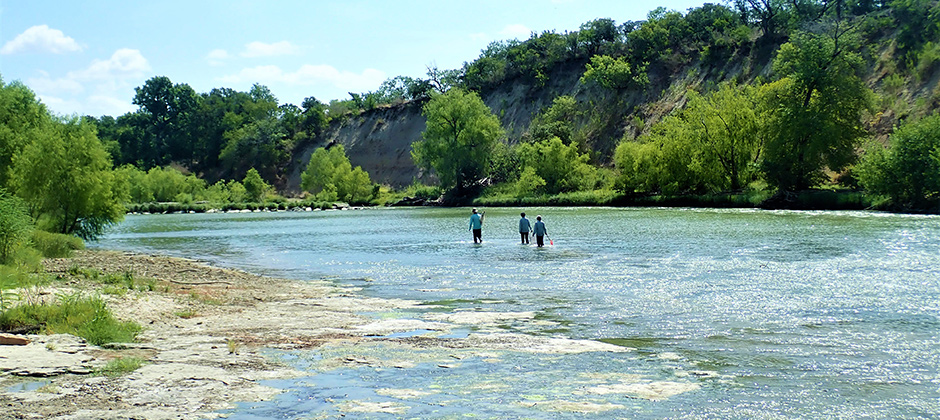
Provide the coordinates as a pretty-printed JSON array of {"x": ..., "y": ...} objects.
[
  {"x": 560, "y": 166},
  {"x": 813, "y": 112},
  {"x": 908, "y": 172},
  {"x": 726, "y": 127},
  {"x": 65, "y": 177},
  {"x": 597, "y": 33},
  {"x": 22, "y": 118},
  {"x": 459, "y": 139},
  {"x": 330, "y": 176},
  {"x": 614, "y": 73},
  {"x": 259, "y": 144},
  {"x": 557, "y": 120},
  {"x": 168, "y": 114},
  {"x": 255, "y": 187}
]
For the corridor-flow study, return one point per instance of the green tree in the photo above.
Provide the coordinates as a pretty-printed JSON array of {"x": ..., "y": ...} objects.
[
  {"x": 168, "y": 113},
  {"x": 725, "y": 126},
  {"x": 908, "y": 172},
  {"x": 459, "y": 139},
  {"x": 614, "y": 73},
  {"x": 558, "y": 120},
  {"x": 813, "y": 112},
  {"x": 255, "y": 187},
  {"x": 560, "y": 166},
  {"x": 260, "y": 144},
  {"x": 330, "y": 176},
  {"x": 65, "y": 177},
  {"x": 22, "y": 118}
]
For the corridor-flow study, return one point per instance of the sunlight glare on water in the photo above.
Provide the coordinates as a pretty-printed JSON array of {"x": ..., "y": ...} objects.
[{"x": 771, "y": 314}]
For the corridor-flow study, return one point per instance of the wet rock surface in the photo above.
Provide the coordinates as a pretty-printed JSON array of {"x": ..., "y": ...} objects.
[{"x": 208, "y": 335}]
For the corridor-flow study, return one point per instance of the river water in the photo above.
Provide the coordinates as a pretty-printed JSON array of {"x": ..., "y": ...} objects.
[{"x": 769, "y": 314}]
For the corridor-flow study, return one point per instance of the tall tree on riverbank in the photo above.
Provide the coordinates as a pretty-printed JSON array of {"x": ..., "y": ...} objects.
[
  {"x": 66, "y": 179},
  {"x": 814, "y": 111},
  {"x": 459, "y": 140}
]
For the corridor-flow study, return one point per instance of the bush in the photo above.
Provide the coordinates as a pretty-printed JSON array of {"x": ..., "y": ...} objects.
[
  {"x": 908, "y": 172},
  {"x": 88, "y": 318},
  {"x": 56, "y": 245},
  {"x": 15, "y": 225}
]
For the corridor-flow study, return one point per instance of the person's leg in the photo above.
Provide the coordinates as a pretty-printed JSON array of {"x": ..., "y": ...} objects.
[{"x": 538, "y": 240}]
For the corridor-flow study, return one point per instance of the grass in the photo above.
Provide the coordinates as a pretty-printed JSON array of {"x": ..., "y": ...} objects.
[
  {"x": 187, "y": 314},
  {"x": 56, "y": 245},
  {"x": 120, "y": 366},
  {"x": 86, "y": 317}
]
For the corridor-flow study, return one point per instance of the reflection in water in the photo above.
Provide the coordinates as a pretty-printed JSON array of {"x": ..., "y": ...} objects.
[{"x": 772, "y": 314}]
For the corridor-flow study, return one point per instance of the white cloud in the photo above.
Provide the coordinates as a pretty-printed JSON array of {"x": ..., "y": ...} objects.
[
  {"x": 41, "y": 39},
  {"x": 261, "y": 49},
  {"x": 125, "y": 63},
  {"x": 217, "y": 57},
  {"x": 517, "y": 30},
  {"x": 96, "y": 89},
  {"x": 308, "y": 75}
]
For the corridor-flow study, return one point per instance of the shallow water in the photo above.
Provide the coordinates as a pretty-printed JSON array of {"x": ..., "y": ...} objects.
[{"x": 769, "y": 314}]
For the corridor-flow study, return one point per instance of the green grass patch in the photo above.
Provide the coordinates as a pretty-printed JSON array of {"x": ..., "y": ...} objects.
[
  {"x": 86, "y": 317},
  {"x": 56, "y": 245},
  {"x": 120, "y": 366}
]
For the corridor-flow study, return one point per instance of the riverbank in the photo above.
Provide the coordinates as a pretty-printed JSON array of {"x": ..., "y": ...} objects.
[{"x": 211, "y": 336}]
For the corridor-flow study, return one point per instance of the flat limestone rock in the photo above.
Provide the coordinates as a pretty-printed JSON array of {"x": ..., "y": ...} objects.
[{"x": 48, "y": 355}]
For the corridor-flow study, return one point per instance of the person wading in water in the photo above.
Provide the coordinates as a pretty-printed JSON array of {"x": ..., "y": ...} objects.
[
  {"x": 524, "y": 228},
  {"x": 476, "y": 226}
]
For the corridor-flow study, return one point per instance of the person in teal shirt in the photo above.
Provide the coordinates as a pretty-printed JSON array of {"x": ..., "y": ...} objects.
[
  {"x": 476, "y": 226},
  {"x": 540, "y": 231},
  {"x": 524, "y": 228}
]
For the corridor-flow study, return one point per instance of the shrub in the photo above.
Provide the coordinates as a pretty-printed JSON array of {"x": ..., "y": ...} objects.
[
  {"x": 15, "y": 225},
  {"x": 120, "y": 366},
  {"x": 88, "y": 318},
  {"x": 56, "y": 245}
]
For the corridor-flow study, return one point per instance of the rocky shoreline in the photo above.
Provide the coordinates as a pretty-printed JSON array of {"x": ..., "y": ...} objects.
[{"x": 206, "y": 332}]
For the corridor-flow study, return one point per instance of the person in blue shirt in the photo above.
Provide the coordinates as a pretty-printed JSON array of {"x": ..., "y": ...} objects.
[
  {"x": 476, "y": 226},
  {"x": 524, "y": 228},
  {"x": 540, "y": 231}
]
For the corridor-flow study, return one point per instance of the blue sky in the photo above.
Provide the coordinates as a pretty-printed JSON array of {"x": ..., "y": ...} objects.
[{"x": 86, "y": 57}]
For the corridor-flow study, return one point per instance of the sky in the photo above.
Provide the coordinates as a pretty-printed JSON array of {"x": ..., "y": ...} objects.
[{"x": 86, "y": 57}]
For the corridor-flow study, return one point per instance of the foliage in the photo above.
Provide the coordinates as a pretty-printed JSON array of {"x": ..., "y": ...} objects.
[
  {"x": 560, "y": 167},
  {"x": 814, "y": 111},
  {"x": 262, "y": 144},
  {"x": 66, "y": 179},
  {"x": 85, "y": 317},
  {"x": 908, "y": 172},
  {"x": 708, "y": 146},
  {"x": 918, "y": 23},
  {"x": 120, "y": 366},
  {"x": 255, "y": 187},
  {"x": 15, "y": 225},
  {"x": 55, "y": 245},
  {"x": 459, "y": 139},
  {"x": 330, "y": 176},
  {"x": 22, "y": 118},
  {"x": 615, "y": 73},
  {"x": 529, "y": 183},
  {"x": 166, "y": 110},
  {"x": 558, "y": 120}
]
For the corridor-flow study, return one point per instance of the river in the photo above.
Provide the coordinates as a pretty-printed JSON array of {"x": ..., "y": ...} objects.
[{"x": 770, "y": 314}]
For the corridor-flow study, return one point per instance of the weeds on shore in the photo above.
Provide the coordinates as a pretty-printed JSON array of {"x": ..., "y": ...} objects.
[
  {"x": 120, "y": 366},
  {"x": 86, "y": 317}
]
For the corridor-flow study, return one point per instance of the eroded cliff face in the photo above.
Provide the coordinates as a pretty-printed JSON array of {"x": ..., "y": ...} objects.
[{"x": 380, "y": 140}]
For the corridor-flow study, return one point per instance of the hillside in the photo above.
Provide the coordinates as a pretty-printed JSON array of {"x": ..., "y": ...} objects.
[{"x": 380, "y": 140}]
